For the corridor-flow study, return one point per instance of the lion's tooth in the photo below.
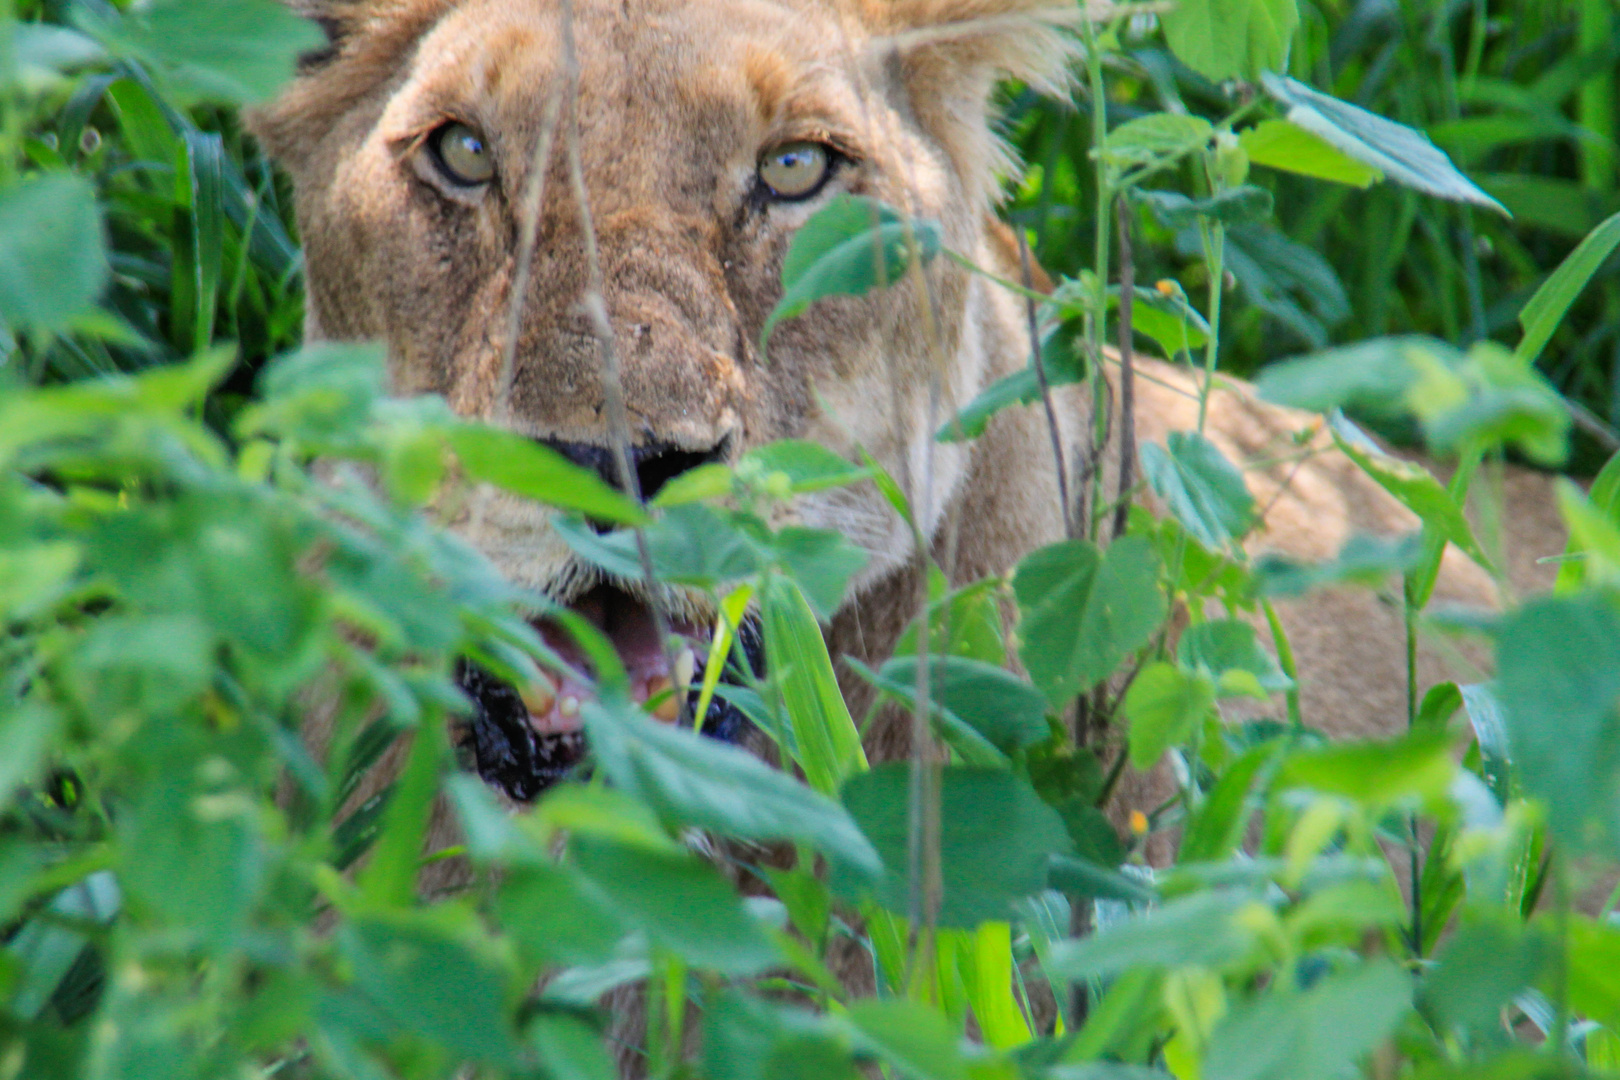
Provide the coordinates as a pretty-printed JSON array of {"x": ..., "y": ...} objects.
[
  {"x": 669, "y": 709},
  {"x": 539, "y": 697},
  {"x": 570, "y": 706},
  {"x": 685, "y": 664}
]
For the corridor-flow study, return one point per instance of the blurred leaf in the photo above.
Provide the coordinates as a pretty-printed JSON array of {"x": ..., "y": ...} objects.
[
  {"x": 692, "y": 780},
  {"x": 1220, "y": 823},
  {"x": 1279, "y": 144},
  {"x": 241, "y": 52},
  {"x": 1146, "y": 139},
  {"x": 1232, "y": 39},
  {"x": 1376, "y": 773},
  {"x": 1062, "y": 365},
  {"x": 570, "y": 1048},
  {"x": 1233, "y": 206},
  {"x": 679, "y": 900},
  {"x": 1230, "y": 654},
  {"x": 1205, "y": 929},
  {"x": 808, "y": 466},
  {"x": 910, "y": 1037},
  {"x": 1558, "y": 681},
  {"x": 1204, "y": 491},
  {"x": 848, "y": 248},
  {"x": 1403, "y": 154},
  {"x": 27, "y": 731},
  {"x": 1364, "y": 560},
  {"x": 53, "y": 261},
  {"x": 1484, "y": 964},
  {"x": 748, "y": 1039},
  {"x": 1163, "y": 705},
  {"x": 1546, "y": 309},
  {"x": 995, "y": 840},
  {"x": 1315, "y": 1035},
  {"x": 1082, "y": 611}
]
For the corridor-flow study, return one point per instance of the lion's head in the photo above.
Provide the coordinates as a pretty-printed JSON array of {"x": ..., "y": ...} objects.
[{"x": 708, "y": 132}]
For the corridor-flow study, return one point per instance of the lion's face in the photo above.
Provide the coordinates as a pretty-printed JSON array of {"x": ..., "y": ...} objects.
[{"x": 708, "y": 132}]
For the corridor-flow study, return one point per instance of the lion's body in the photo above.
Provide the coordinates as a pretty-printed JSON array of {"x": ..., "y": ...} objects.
[{"x": 677, "y": 99}]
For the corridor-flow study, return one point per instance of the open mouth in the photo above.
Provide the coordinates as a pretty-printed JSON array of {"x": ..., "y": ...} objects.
[{"x": 523, "y": 740}]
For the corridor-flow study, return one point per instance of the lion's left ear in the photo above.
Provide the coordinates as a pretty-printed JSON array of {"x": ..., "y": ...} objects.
[{"x": 951, "y": 55}]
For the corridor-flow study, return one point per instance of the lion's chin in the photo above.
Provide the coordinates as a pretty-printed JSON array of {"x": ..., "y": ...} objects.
[{"x": 524, "y": 740}]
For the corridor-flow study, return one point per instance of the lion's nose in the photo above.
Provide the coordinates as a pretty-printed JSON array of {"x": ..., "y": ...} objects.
[{"x": 656, "y": 463}]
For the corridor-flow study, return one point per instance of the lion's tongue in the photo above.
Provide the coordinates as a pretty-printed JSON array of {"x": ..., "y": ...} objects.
[{"x": 554, "y": 702}]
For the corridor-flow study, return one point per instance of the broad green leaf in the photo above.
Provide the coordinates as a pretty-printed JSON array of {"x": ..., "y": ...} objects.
[
  {"x": 909, "y": 1036},
  {"x": 1232, "y": 39},
  {"x": 745, "y": 1038},
  {"x": 1001, "y": 707},
  {"x": 1278, "y": 144},
  {"x": 966, "y": 623},
  {"x": 851, "y": 246},
  {"x": 996, "y": 837},
  {"x": 27, "y": 731},
  {"x": 1226, "y": 649},
  {"x": 238, "y": 53},
  {"x": 1082, "y": 611},
  {"x": 1403, "y": 154},
  {"x": 1491, "y": 399},
  {"x": 1483, "y": 965},
  {"x": 692, "y": 780},
  {"x": 429, "y": 981},
  {"x": 680, "y": 901},
  {"x": 53, "y": 260},
  {"x": 1219, "y": 824},
  {"x": 1592, "y": 963},
  {"x": 821, "y": 563},
  {"x": 826, "y": 744},
  {"x": 1205, "y": 929},
  {"x": 1320, "y": 1034},
  {"x": 1204, "y": 491},
  {"x": 1163, "y": 706},
  {"x": 1413, "y": 485},
  {"x": 571, "y": 1048},
  {"x": 1377, "y": 773},
  {"x": 524, "y": 467},
  {"x": 1558, "y": 681},
  {"x": 1062, "y": 364},
  {"x": 1546, "y": 309},
  {"x": 1147, "y": 139}
]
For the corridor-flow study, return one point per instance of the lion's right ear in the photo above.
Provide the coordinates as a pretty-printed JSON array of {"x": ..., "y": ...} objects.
[{"x": 365, "y": 41}]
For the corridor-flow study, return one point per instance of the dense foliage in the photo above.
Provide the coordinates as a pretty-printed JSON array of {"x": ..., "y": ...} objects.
[{"x": 186, "y": 890}]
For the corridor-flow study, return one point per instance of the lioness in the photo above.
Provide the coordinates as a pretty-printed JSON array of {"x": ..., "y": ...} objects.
[{"x": 708, "y": 131}]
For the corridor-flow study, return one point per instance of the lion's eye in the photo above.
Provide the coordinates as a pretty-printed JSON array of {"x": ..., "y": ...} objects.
[
  {"x": 795, "y": 170},
  {"x": 462, "y": 155}
]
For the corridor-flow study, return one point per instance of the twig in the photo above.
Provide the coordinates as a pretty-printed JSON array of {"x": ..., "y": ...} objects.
[
  {"x": 602, "y": 327},
  {"x": 533, "y": 197},
  {"x": 1127, "y": 368},
  {"x": 1046, "y": 390}
]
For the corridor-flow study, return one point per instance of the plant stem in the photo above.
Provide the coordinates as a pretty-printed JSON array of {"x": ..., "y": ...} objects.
[{"x": 1096, "y": 318}]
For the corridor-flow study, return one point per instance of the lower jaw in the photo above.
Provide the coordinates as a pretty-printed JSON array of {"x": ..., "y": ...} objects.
[{"x": 516, "y": 757}]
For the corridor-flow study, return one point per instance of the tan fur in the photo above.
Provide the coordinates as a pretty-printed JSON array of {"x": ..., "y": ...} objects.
[{"x": 677, "y": 99}]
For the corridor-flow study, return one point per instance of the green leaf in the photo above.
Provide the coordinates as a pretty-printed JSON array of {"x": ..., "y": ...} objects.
[
  {"x": 1364, "y": 560},
  {"x": 524, "y": 467},
  {"x": 429, "y": 981},
  {"x": 1063, "y": 367},
  {"x": 826, "y": 744},
  {"x": 1081, "y": 611},
  {"x": 1163, "y": 705},
  {"x": 1403, "y": 154},
  {"x": 680, "y": 901},
  {"x": 1226, "y": 648},
  {"x": 748, "y": 1039},
  {"x": 1379, "y": 772},
  {"x": 1204, "y": 491},
  {"x": 1317, "y": 1035},
  {"x": 691, "y": 780},
  {"x": 1219, "y": 824},
  {"x": 1204, "y": 929},
  {"x": 850, "y": 247},
  {"x": 53, "y": 260},
  {"x": 996, "y": 837},
  {"x": 27, "y": 731},
  {"x": 1558, "y": 680},
  {"x": 571, "y": 1048},
  {"x": 1278, "y": 144},
  {"x": 1233, "y": 206},
  {"x": 1147, "y": 139},
  {"x": 1546, "y": 309},
  {"x": 910, "y": 1037},
  {"x": 238, "y": 53},
  {"x": 1005, "y": 710},
  {"x": 1413, "y": 485},
  {"x": 1231, "y": 39},
  {"x": 1484, "y": 964},
  {"x": 808, "y": 466}
]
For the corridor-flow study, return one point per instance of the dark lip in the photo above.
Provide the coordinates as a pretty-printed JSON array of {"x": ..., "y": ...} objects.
[{"x": 522, "y": 763}]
